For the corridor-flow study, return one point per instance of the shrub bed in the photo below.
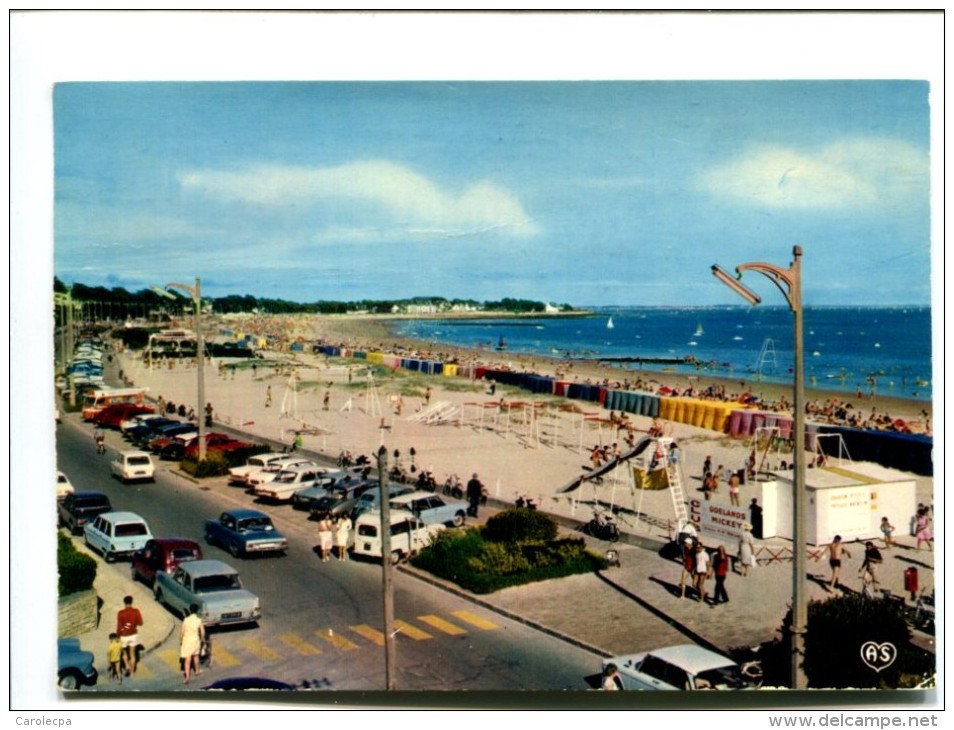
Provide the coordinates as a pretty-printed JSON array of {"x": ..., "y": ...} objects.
[
  {"x": 77, "y": 571},
  {"x": 516, "y": 547}
]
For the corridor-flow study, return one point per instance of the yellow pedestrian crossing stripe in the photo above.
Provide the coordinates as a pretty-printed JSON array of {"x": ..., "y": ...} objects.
[
  {"x": 441, "y": 625},
  {"x": 223, "y": 658},
  {"x": 369, "y": 633},
  {"x": 336, "y": 640},
  {"x": 411, "y": 631},
  {"x": 299, "y": 644},
  {"x": 260, "y": 650},
  {"x": 170, "y": 658},
  {"x": 475, "y": 620}
]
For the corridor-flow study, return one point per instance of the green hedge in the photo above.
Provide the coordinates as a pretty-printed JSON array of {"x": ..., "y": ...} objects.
[
  {"x": 218, "y": 463},
  {"x": 469, "y": 559},
  {"x": 77, "y": 571}
]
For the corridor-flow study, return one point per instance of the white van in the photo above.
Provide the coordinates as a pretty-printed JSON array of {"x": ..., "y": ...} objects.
[{"x": 408, "y": 535}]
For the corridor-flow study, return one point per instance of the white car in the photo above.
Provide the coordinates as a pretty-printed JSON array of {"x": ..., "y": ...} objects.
[
  {"x": 290, "y": 480},
  {"x": 683, "y": 667},
  {"x": 117, "y": 534},
  {"x": 268, "y": 473},
  {"x": 240, "y": 474},
  {"x": 63, "y": 486},
  {"x": 408, "y": 535},
  {"x": 130, "y": 466}
]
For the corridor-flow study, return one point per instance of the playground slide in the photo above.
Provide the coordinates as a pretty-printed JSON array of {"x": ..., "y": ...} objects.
[{"x": 639, "y": 448}]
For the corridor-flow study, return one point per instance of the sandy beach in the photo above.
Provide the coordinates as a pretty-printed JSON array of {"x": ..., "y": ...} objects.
[{"x": 519, "y": 443}]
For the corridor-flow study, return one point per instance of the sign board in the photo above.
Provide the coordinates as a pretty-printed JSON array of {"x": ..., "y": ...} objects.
[{"x": 718, "y": 520}]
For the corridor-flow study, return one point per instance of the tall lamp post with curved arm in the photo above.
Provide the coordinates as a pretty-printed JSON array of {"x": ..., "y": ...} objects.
[
  {"x": 196, "y": 293},
  {"x": 789, "y": 282}
]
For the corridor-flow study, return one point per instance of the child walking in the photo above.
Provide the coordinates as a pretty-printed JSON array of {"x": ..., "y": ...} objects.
[
  {"x": 114, "y": 654},
  {"x": 886, "y": 530}
]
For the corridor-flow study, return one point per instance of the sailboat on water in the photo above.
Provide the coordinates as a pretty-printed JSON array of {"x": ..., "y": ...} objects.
[
  {"x": 699, "y": 331},
  {"x": 609, "y": 324}
]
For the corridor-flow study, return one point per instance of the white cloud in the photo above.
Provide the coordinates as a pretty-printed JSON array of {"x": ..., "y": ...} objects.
[
  {"x": 406, "y": 196},
  {"x": 854, "y": 173}
]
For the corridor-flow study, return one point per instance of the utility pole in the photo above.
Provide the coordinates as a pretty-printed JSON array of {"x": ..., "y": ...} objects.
[{"x": 386, "y": 568}]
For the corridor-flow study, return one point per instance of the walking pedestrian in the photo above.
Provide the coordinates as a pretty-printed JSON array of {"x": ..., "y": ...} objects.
[
  {"x": 191, "y": 636},
  {"x": 720, "y": 568},
  {"x": 702, "y": 570},
  {"x": 688, "y": 566},
  {"x": 835, "y": 551},
  {"x": 923, "y": 527},
  {"x": 868, "y": 566},
  {"x": 342, "y": 533},
  {"x": 887, "y": 529},
  {"x": 114, "y": 655},
  {"x": 475, "y": 490},
  {"x": 268, "y": 396},
  {"x": 128, "y": 621},
  {"x": 326, "y": 401},
  {"x": 706, "y": 468},
  {"x": 746, "y": 550},
  {"x": 325, "y": 533},
  {"x": 755, "y": 518}
]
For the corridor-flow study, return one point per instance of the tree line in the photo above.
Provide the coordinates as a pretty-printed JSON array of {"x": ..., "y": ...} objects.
[{"x": 120, "y": 302}]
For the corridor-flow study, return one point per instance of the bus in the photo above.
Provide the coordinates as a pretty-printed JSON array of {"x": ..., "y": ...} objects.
[{"x": 96, "y": 400}]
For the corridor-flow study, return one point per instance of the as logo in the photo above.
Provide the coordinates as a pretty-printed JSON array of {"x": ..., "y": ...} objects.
[{"x": 878, "y": 656}]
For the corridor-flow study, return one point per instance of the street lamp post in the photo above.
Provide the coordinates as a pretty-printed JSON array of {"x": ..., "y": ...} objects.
[
  {"x": 387, "y": 579},
  {"x": 196, "y": 293},
  {"x": 789, "y": 282}
]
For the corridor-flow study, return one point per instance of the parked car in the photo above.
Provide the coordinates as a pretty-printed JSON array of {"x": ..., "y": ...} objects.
[
  {"x": 132, "y": 466},
  {"x": 147, "y": 430},
  {"x": 139, "y": 419},
  {"x": 371, "y": 498},
  {"x": 63, "y": 486},
  {"x": 162, "y": 555},
  {"x": 408, "y": 535},
  {"x": 112, "y": 416},
  {"x": 78, "y": 508},
  {"x": 682, "y": 667},
  {"x": 75, "y": 667},
  {"x": 263, "y": 476},
  {"x": 306, "y": 498},
  {"x": 164, "y": 434},
  {"x": 244, "y": 531},
  {"x": 215, "y": 442},
  {"x": 341, "y": 499},
  {"x": 116, "y": 534},
  {"x": 239, "y": 474},
  {"x": 290, "y": 480},
  {"x": 212, "y": 585},
  {"x": 432, "y": 509}
]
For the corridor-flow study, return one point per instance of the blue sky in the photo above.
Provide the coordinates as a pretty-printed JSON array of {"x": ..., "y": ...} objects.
[{"x": 584, "y": 192}]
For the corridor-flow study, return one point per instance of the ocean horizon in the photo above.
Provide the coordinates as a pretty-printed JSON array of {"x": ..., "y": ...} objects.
[{"x": 886, "y": 351}]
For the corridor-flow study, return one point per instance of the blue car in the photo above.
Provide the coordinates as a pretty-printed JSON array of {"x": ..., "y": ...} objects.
[
  {"x": 74, "y": 666},
  {"x": 245, "y": 531}
]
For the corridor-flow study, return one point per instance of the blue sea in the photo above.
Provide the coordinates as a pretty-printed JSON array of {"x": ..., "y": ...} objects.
[{"x": 885, "y": 350}]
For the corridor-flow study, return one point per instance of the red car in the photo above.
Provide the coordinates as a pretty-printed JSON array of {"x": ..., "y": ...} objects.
[
  {"x": 216, "y": 442},
  {"x": 113, "y": 415},
  {"x": 163, "y": 554}
]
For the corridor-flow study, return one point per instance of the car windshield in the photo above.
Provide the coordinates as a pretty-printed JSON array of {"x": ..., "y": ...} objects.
[
  {"x": 213, "y": 583},
  {"x": 286, "y": 476},
  {"x": 183, "y": 554},
  {"x": 256, "y": 523},
  {"x": 138, "y": 460},
  {"x": 91, "y": 502},
  {"x": 131, "y": 529}
]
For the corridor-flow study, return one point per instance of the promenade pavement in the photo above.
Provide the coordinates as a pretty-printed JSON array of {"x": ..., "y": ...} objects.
[{"x": 600, "y": 612}]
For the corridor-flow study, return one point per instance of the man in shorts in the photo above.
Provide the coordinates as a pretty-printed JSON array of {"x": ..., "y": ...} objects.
[
  {"x": 835, "y": 551},
  {"x": 128, "y": 621}
]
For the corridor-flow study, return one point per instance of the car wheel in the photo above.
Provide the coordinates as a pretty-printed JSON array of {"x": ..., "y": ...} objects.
[
  {"x": 108, "y": 556},
  {"x": 208, "y": 538},
  {"x": 134, "y": 576},
  {"x": 234, "y": 550},
  {"x": 458, "y": 519},
  {"x": 396, "y": 557},
  {"x": 68, "y": 681},
  {"x": 157, "y": 592}
]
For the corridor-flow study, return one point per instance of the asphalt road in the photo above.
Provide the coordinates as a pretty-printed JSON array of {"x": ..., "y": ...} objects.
[{"x": 322, "y": 622}]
